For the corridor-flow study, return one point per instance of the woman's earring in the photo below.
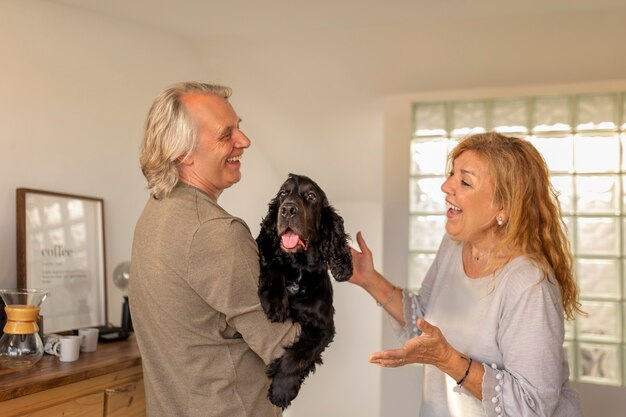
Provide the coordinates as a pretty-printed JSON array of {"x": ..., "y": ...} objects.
[{"x": 500, "y": 221}]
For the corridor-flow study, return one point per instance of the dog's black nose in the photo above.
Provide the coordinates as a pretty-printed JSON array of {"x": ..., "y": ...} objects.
[{"x": 288, "y": 210}]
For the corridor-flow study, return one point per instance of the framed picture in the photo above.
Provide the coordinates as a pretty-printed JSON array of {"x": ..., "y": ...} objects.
[{"x": 60, "y": 248}]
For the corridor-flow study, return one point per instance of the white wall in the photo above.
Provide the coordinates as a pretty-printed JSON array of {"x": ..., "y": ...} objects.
[{"x": 74, "y": 92}]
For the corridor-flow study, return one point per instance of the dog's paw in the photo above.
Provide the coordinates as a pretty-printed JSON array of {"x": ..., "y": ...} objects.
[
  {"x": 283, "y": 390},
  {"x": 280, "y": 400},
  {"x": 275, "y": 313}
]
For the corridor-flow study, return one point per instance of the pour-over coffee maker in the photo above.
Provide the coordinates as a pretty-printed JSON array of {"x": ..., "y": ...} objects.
[{"x": 21, "y": 345}]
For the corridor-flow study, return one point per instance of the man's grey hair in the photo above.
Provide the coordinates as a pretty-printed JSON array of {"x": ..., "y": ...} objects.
[{"x": 169, "y": 134}]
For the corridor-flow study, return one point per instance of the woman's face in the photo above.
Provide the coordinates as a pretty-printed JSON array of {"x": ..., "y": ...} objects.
[{"x": 469, "y": 198}]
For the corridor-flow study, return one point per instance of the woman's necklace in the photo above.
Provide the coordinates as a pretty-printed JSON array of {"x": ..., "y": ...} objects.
[
  {"x": 476, "y": 256},
  {"x": 475, "y": 262}
]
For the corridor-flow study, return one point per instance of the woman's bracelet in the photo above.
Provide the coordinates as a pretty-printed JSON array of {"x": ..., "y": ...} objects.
[
  {"x": 393, "y": 293},
  {"x": 469, "y": 365}
]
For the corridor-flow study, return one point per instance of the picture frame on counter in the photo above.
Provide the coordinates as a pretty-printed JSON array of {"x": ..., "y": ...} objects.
[{"x": 61, "y": 249}]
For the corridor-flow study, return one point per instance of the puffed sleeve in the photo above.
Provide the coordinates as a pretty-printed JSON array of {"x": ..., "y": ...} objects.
[
  {"x": 530, "y": 337},
  {"x": 226, "y": 275}
]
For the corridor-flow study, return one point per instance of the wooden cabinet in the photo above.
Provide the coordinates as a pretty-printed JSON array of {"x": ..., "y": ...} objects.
[
  {"x": 125, "y": 400},
  {"x": 107, "y": 383}
]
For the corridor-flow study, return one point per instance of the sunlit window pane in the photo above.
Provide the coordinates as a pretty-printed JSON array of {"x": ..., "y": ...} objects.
[
  {"x": 510, "y": 116},
  {"x": 426, "y": 196},
  {"x": 599, "y": 278},
  {"x": 623, "y": 146},
  {"x": 598, "y": 194},
  {"x": 469, "y": 117},
  {"x": 599, "y": 363},
  {"x": 597, "y": 112},
  {"x": 558, "y": 152},
  {"x": 596, "y": 153},
  {"x": 552, "y": 114},
  {"x": 426, "y": 232},
  {"x": 419, "y": 263},
  {"x": 624, "y": 251},
  {"x": 598, "y": 236},
  {"x": 623, "y": 118},
  {"x": 624, "y": 328},
  {"x": 428, "y": 156},
  {"x": 603, "y": 321},
  {"x": 430, "y": 119},
  {"x": 564, "y": 186}
]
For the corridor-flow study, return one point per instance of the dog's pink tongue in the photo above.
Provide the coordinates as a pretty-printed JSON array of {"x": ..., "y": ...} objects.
[{"x": 290, "y": 240}]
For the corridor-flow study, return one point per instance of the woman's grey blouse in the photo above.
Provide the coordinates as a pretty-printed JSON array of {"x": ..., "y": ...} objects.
[{"x": 512, "y": 323}]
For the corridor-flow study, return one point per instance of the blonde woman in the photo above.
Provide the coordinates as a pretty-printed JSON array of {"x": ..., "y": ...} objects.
[{"x": 488, "y": 321}]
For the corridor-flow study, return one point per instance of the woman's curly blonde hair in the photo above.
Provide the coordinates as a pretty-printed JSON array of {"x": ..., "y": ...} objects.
[
  {"x": 534, "y": 224},
  {"x": 169, "y": 133}
]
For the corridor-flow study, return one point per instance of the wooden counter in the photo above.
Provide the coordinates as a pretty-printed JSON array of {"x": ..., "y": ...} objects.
[{"x": 52, "y": 384}]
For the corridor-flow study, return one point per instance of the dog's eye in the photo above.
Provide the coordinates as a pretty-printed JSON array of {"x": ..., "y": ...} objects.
[{"x": 311, "y": 196}]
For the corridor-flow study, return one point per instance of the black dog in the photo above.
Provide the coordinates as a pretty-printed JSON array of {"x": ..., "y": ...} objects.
[{"x": 301, "y": 239}]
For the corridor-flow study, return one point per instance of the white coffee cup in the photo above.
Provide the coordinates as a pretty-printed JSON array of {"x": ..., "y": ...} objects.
[
  {"x": 67, "y": 348},
  {"x": 89, "y": 341},
  {"x": 49, "y": 342}
]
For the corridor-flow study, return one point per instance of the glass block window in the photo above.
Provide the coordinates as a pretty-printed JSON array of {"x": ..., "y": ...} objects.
[{"x": 583, "y": 140}]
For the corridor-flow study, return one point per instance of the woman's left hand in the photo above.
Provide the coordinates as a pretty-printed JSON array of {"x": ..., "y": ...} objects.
[{"x": 431, "y": 347}]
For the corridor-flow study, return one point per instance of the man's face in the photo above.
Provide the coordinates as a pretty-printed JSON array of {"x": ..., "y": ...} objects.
[{"x": 214, "y": 164}]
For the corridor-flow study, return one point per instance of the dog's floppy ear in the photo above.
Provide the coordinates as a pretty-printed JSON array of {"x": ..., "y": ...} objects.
[
  {"x": 336, "y": 252},
  {"x": 267, "y": 240}
]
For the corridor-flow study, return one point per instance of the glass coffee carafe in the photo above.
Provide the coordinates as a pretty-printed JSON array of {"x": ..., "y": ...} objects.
[{"x": 21, "y": 345}]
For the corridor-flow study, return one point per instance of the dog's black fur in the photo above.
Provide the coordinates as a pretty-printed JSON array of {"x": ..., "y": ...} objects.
[{"x": 302, "y": 238}]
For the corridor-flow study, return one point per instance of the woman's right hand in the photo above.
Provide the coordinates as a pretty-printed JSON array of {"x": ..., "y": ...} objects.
[
  {"x": 366, "y": 276},
  {"x": 362, "y": 263}
]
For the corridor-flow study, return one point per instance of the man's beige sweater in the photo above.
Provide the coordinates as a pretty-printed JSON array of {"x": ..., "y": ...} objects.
[{"x": 203, "y": 336}]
